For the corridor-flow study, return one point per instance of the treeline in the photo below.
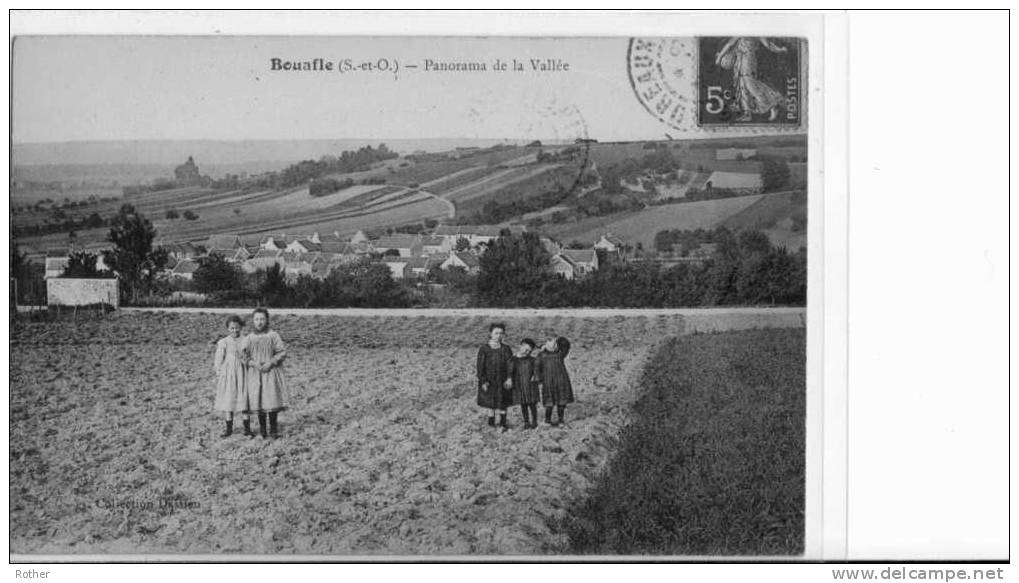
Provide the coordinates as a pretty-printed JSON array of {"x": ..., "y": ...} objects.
[
  {"x": 61, "y": 224},
  {"x": 305, "y": 171},
  {"x": 324, "y": 186},
  {"x": 745, "y": 269},
  {"x": 361, "y": 284}
]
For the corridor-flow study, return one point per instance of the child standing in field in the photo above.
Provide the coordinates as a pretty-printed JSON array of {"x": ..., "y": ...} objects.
[
  {"x": 553, "y": 380},
  {"x": 525, "y": 384},
  {"x": 231, "y": 392},
  {"x": 494, "y": 381},
  {"x": 264, "y": 353}
]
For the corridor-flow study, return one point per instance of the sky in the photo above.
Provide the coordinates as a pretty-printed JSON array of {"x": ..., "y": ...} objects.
[{"x": 75, "y": 88}]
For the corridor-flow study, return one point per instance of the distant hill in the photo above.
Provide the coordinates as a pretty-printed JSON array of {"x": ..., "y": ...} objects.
[{"x": 217, "y": 152}]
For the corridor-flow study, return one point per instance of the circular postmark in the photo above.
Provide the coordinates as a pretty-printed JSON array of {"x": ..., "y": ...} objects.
[{"x": 661, "y": 76}]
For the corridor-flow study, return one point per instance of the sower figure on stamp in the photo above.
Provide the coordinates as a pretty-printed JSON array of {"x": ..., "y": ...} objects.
[
  {"x": 264, "y": 353},
  {"x": 739, "y": 54},
  {"x": 494, "y": 382}
]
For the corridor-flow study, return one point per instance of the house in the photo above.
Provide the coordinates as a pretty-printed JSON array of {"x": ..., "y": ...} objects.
[
  {"x": 185, "y": 269},
  {"x": 233, "y": 255},
  {"x": 407, "y": 245},
  {"x": 397, "y": 266},
  {"x": 304, "y": 246},
  {"x": 573, "y": 263},
  {"x": 735, "y": 153},
  {"x": 183, "y": 250},
  {"x": 331, "y": 247},
  {"x": 298, "y": 264},
  {"x": 263, "y": 260},
  {"x": 610, "y": 243},
  {"x": 563, "y": 266},
  {"x": 273, "y": 243},
  {"x": 417, "y": 267},
  {"x": 467, "y": 261},
  {"x": 431, "y": 245},
  {"x": 474, "y": 234},
  {"x": 358, "y": 238}
]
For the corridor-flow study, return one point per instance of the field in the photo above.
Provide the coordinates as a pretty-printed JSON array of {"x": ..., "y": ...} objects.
[
  {"x": 641, "y": 226},
  {"x": 715, "y": 411},
  {"x": 115, "y": 448},
  {"x": 778, "y": 215},
  {"x": 416, "y": 189}
]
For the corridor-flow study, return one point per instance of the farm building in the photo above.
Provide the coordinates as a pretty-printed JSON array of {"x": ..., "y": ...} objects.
[
  {"x": 407, "y": 245},
  {"x": 358, "y": 238},
  {"x": 462, "y": 259},
  {"x": 735, "y": 153}
]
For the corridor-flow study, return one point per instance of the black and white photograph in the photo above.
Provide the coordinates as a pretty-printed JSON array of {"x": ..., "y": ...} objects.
[{"x": 432, "y": 297}]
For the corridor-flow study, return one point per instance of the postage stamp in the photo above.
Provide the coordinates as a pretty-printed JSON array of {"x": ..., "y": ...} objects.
[{"x": 749, "y": 81}]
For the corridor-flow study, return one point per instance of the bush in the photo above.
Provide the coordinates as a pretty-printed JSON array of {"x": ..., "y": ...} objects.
[
  {"x": 190, "y": 215},
  {"x": 172, "y": 214}
]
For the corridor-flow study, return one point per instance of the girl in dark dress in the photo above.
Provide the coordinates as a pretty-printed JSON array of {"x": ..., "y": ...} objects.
[
  {"x": 525, "y": 384},
  {"x": 494, "y": 382},
  {"x": 553, "y": 380}
]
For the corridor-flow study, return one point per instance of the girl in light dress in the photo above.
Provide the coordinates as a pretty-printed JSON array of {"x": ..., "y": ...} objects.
[
  {"x": 231, "y": 390},
  {"x": 264, "y": 353}
]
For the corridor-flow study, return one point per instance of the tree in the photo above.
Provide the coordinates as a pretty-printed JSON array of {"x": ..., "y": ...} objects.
[
  {"x": 216, "y": 274},
  {"x": 462, "y": 244},
  {"x": 172, "y": 214},
  {"x": 81, "y": 264},
  {"x": 774, "y": 175},
  {"x": 133, "y": 258},
  {"x": 190, "y": 215},
  {"x": 513, "y": 270},
  {"x": 274, "y": 286}
]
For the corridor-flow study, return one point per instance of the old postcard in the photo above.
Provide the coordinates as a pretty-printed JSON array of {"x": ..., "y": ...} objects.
[{"x": 325, "y": 297}]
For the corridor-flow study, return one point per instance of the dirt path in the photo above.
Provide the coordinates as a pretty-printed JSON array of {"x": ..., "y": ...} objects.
[{"x": 449, "y": 204}]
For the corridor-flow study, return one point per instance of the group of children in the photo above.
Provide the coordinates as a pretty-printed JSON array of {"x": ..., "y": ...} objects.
[
  {"x": 249, "y": 375},
  {"x": 524, "y": 377}
]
